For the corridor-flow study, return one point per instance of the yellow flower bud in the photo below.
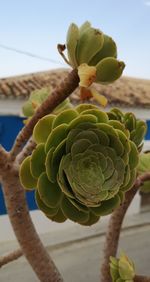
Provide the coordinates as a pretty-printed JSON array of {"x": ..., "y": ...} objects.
[{"x": 87, "y": 75}]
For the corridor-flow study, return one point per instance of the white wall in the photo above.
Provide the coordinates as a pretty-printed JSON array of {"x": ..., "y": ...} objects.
[
  {"x": 44, "y": 225},
  {"x": 13, "y": 106}
]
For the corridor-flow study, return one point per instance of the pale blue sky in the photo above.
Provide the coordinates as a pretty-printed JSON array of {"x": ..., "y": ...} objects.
[{"x": 36, "y": 26}]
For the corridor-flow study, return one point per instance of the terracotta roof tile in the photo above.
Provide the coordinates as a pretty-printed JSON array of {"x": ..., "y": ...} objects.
[{"x": 126, "y": 91}]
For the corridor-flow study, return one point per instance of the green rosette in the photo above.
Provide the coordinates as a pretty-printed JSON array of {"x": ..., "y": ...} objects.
[{"x": 84, "y": 162}]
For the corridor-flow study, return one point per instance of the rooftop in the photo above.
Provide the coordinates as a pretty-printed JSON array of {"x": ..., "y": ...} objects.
[{"x": 126, "y": 91}]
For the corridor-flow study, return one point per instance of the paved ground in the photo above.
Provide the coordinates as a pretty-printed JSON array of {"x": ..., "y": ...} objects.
[{"x": 79, "y": 259}]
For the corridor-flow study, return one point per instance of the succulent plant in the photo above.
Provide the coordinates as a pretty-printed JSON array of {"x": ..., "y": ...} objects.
[
  {"x": 122, "y": 269},
  {"x": 37, "y": 97},
  {"x": 136, "y": 127},
  {"x": 144, "y": 166},
  {"x": 83, "y": 164},
  {"x": 93, "y": 53}
]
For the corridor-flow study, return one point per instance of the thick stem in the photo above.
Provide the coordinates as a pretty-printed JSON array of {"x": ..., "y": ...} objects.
[
  {"x": 3, "y": 158},
  {"x": 14, "y": 195},
  {"x": 10, "y": 257},
  {"x": 57, "y": 96},
  {"x": 26, "y": 151},
  {"x": 114, "y": 228},
  {"x": 141, "y": 278},
  {"x": 24, "y": 230},
  {"x": 113, "y": 234}
]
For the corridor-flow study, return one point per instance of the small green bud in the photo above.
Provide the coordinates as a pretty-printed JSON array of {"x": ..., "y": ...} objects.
[{"x": 122, "y": 269}]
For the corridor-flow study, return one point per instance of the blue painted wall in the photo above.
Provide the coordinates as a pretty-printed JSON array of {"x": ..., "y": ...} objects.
[
  {"x": 147, "y": 137},
  {"x": 9, "y": 128}
]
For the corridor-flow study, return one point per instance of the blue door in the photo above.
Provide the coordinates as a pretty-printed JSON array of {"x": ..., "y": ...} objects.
[{"x": 9, "y": 128}]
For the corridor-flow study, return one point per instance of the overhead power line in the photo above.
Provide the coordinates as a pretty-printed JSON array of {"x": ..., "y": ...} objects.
[{"x": 30, "y": 54}]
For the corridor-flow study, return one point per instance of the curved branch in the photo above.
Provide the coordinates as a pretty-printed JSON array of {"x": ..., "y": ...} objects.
[
  {"x": 3, "y": 158},
  {"x": 10, "y": 257},
  {"x": 141, "y": 278},
  {"x": 23, "y": 227},
  {"x": 26, "y": 151},
  {"x": 114, "y": 227},
  {"x": 14, "y": 196},
  {"x": 57, "y": 96}
]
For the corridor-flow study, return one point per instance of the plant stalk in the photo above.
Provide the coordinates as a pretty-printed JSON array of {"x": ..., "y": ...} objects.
[
  {"x": 23, "y": 227},
  {"x": 141, "y": 278},
  {"x": 14, "y": 194},
  {"x": 114, "y": 228},
  {"x": 10, "y": 257}
]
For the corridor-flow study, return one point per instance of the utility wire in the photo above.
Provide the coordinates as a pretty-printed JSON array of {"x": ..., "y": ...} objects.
[{"x": 30, "y": 54}]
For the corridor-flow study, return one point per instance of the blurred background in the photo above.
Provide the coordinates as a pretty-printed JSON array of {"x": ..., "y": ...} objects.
[
  {"x": 29, "y": 60},
  {"x": 29, "y": 34},
  {"x": 31, "y": 30}
]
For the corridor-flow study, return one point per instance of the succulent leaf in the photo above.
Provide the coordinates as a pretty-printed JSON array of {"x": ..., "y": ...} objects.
[
  {"x": 144, "y": 166},
  {"x": 84, "y": 26},
  {"x": 28, "y": 181},
  {"x": 43, "y": 128},
  {"x": 109, "y": 49},
  {"x": 89, "y": 43},
  {"x": 65, "y": 117},
  {"x": 56, "y": 136},
  {"x": 136, "y": 128},
  {"x": 59, "y": 217},
  {"x": 49, "y": 192},
  {"x": 71, "y": 43},
  {"x": 71, "y": 212},
  {"x": 107, "y": 207},
  {"x": 82, "y": 107},
  {"x": 37, "y": 162},
  {"x": 43, "y": 207},
  {"x": 108, "y": 70}
]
